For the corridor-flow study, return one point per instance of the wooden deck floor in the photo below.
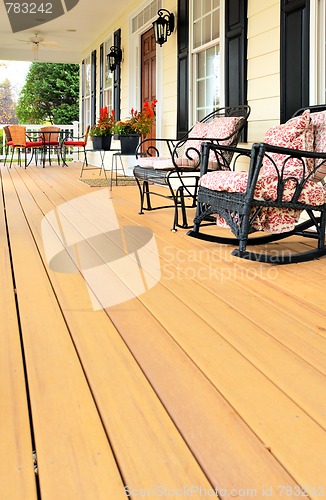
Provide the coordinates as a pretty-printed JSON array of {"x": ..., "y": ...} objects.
[{"x": 136, "y": 362}]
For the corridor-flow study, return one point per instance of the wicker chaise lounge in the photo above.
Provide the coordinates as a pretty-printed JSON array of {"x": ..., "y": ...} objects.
[
  {"x": 175, "y": 163},
  {"x": 285, "y": 181}
]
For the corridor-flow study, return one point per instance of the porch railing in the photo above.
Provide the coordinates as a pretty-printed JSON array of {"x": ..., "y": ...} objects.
[{"x": 72, "y": 130}]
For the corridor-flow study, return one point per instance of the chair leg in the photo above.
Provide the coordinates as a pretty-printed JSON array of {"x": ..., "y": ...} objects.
[
  {"x": 141, "y": 195},
  {"x": 12, "y": 156},
  {"x": 6, "y": 154},
  {"x": 179, "y": 201},
  {"x": 58, "y": 154},
  {"x": 144, "y": 194},
  {"x": 147, "y": 195},
  {"x": 63, "y": 155},
  {"x": 85, "y": 163},
  {"x": 85, "y": 156}
]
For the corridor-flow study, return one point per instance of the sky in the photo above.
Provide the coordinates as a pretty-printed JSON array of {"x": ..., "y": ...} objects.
[{"x": 16, "y": 72}]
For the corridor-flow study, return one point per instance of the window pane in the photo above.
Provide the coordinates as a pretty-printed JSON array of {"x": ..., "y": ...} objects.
[
  {"x": 206, "y": 29},
  {"x": 207, "y": 6},
  {"x": 87, "y": 77},
  {"x": 197, "y": 34},
  {"x": 201, "y": 62},
  {"x": 206, "y": 21},
  {"x": 216, "y": 24},
  {"x": 107, "y": 76},
  {"x": 217, "y": 80},
  {"x": 201, "y": 95},
  {"x": 197, "y": 9}
]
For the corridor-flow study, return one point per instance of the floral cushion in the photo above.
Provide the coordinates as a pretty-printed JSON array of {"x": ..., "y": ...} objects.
[
  {"x": 318, "y": 121},
  {"x": 162, "y": 163},
  {"x": 195, "y": 138},
  {"x": 219, "y": 128},
  {"x": 297, "y": 133},
  {"x": 273, "y": 220},
  {"x": 223, "y": 129},
  {"x": 157, "y": 162}
]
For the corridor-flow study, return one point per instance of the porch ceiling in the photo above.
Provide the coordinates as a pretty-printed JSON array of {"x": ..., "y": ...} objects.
[{"x": 65, "y": 38}]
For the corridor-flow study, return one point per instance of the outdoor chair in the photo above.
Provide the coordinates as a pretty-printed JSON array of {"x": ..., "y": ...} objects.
[
  {"x": 179, "y": 170},
  {"x": 51, "y": 137},
  {"x": 80, "y": 143},
  {"x": 22, "y": 142},
  {"x": 285, "y": 183},
  {"x": 8, "y": 143}
]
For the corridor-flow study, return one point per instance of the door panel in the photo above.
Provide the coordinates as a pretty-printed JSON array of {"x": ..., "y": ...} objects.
[{"x": 148, "y": 71}]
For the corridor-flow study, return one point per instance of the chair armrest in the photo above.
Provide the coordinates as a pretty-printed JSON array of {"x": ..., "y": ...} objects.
[
  {"x": 308, "y": 165},
  {"x": 226, "y": 157},
  {"x": 149, "y": 146},
  {"x": 288, "y": 169}
]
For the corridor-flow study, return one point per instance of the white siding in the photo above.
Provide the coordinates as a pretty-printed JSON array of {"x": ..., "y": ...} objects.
[{"x": 263, "y": 66}]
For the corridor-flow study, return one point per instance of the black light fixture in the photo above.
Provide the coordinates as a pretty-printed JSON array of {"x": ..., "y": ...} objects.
[
  {"x": 114, "y": 57},
  {"x": 163, "y": 26}
]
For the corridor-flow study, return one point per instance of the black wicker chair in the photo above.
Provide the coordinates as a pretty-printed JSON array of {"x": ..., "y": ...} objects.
[
  {"x": 241, "y": 210},
  {"x": 179, "y": 171}
]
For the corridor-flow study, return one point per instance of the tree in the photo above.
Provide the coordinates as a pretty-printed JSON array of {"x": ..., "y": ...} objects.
[
  {"x": 50, "y": 94},
  {"x": 7, "y": 103}
]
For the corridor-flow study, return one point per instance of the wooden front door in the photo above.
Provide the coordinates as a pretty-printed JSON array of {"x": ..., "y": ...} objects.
[{"x": 148, "y": 71}]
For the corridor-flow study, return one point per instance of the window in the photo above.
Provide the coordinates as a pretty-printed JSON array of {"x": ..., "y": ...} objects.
[
  {"x": 145, "y": 15},
  {"x": 86, "y": 92},
  {"x": 206, "y": 56},
  {"x": 107, "y": 76}
]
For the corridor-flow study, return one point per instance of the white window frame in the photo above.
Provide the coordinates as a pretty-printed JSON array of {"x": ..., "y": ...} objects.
[
  {"x": 193, "y": 103},
  {"x": 87, "y": 96}
]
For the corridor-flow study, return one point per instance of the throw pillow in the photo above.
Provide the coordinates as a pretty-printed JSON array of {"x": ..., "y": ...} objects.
[{"x": 296, "y": 133}]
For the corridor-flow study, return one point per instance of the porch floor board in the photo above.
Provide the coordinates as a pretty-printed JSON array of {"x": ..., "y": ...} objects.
[{"x": 209, "y": 375}]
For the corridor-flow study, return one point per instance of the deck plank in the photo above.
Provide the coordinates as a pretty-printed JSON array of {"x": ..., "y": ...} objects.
[
  {"x": 238, "y": 371},
  {"x": 197, "y": 426},
  {"x": 74, "y": 456},
  {"x": 298, "y": 381},
  {"x": 147, "y": 445},
  {"x": 202, "y": 444},
  {"x": 16, "y": 457}
]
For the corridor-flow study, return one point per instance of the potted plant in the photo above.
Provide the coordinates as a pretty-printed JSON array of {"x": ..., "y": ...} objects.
[
  {"x": 101, "y": 133},
  {"x": 131, "y": 129}
]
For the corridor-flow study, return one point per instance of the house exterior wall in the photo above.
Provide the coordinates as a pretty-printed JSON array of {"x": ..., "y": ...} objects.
[
  {"x": 263, "y": 68},
  {"x": 166, "y": 69}
]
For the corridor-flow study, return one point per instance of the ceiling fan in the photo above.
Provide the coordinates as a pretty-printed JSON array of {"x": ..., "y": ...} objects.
[{"x": 36, "y": 40}]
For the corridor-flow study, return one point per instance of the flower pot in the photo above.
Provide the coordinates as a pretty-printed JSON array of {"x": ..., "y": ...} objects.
[
  {"x": 102, "y": 142},
  {"x": 129, "y": 143}
]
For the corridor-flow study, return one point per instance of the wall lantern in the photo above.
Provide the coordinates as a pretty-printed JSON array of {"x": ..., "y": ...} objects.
[
  {"x": 163, "y": 26},
  {"x": 114, "y": 57}
]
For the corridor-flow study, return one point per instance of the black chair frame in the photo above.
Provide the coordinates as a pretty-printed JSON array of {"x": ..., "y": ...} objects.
[
  {"x": 184, "y": 196},
  {"x": 239, "y": 210}
]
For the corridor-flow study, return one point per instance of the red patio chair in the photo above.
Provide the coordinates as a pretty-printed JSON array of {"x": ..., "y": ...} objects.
[
  {"x": 51, "y": 137},
  {"x": 79, "y": 142},
  {"x": 22, "y": 142}
]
